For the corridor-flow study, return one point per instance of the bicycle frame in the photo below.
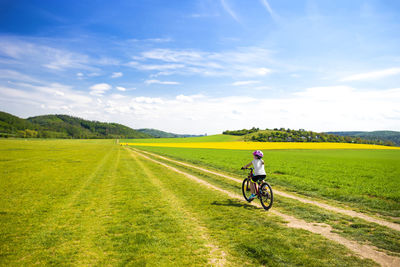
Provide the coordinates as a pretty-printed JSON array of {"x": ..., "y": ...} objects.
[{"x": 256, "y": 185}]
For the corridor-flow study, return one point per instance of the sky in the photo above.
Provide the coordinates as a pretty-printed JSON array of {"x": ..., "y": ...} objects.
[{"x": 204, "y": 66}]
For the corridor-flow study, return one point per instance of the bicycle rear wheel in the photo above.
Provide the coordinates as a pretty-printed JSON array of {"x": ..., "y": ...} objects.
[
  {"x": 246, "y": 189},
  {"x": 267, "y": 197}
]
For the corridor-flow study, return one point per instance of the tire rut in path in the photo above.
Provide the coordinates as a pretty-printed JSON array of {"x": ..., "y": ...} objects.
[
  {"x": 217, "y": 257},
  {"x": 48, "y": 221},
  {"x": 347, "y": 212},
  {"x": 95, "y": 213},
  {"x": 365, "y": 251}
]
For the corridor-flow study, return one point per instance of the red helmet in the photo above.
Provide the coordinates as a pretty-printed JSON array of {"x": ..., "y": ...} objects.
[{"x": 258, "y": 153}]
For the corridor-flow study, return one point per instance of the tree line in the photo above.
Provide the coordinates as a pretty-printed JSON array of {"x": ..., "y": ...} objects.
[{"x": 301, "y": 135}]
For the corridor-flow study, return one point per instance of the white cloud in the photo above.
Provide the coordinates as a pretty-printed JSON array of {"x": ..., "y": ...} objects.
[
  {"x": 325, "y": 91},
  {"x": 372, "y": 75},
  {"x": 7, "y": 74},
  {"x": 159, "y": 67},
  {"x": 260, "y": 71},
  {"x": 188, "y": 98},
  {"x": 80, "y": 76},
  {"x": 241, "y": 83},
  {"x": 148, "y": 100},
  {"x": 159, "y": 40},
  {"x": 117, "y": 96},
  {"x": 184, "y": 98},
  {"x": 117, "y": 74},
  {"x": 93, "y": 74},
  {"x": 160, "y": 82},
  {"x": 48, "y": 53},
  {"x": 54, "y": 97},
  {"x": 120, "y": 88},
  {"x": 241, "y": 62},
  {"x": 317, "y": 108},
  {"x": 99, "y": 89},
  {"x": 169, "y": 55},
  {"x": 106, "y": 61},
  {"x": 62, "y": 60}
]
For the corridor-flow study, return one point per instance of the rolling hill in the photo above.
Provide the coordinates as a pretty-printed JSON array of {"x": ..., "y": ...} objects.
[
  {"x": 161, "y": 134},
  {"x": 63, "y": 126},
  {"x": 10, "y": 124},
  {"x": 392, "y": 136}
]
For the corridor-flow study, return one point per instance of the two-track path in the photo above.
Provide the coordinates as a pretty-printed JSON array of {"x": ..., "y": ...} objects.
[
  {"x": 365, "y": 251},
  {"x": 347, "y": 212},
  {"x": 217, "y": 255}
]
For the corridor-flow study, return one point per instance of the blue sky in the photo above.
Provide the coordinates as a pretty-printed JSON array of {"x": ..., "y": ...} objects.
[{"x": 204, "y": 66}]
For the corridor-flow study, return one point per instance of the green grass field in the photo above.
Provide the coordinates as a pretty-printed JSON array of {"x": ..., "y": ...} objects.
[
  {"x": 349, "y": 227},
  {"x": 366, "y": 179},
  {"x": 93, "y": 202}
]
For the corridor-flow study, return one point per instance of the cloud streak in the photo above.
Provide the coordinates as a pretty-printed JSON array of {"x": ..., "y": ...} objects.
[
  {"x": 117, "y": 74},
  {"x": 241, "y": 83},
  {"x": 373, "y": 75},
  {"x": 243, "y": 62},
  {"x": 120, "y": 88},
  {"x": 161, "y": 82},
  {"x": 34, "y": 54},
  {"x": 268, "y": 8},
  {"x": 99, "y": 89},
  {"x": 229, "y": 10}
]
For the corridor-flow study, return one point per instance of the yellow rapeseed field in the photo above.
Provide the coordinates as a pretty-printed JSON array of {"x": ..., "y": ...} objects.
[{"x": 264, "y": 145}]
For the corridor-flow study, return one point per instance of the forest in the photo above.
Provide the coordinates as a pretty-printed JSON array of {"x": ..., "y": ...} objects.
[{"x": 63, "y": 126}]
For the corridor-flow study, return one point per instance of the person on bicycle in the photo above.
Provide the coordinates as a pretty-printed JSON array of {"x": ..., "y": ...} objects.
[{"x": 259, "y": 171}]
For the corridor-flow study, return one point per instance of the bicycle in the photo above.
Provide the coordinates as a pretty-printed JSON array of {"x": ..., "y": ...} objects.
[{"x": 263, "y": 191}]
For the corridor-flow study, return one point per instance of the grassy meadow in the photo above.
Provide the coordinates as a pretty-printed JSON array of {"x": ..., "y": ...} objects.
[
  {"x": 366, "y": 179},
  {"x": 93, "y": 202},
  {"x": 349, "y": 227}
]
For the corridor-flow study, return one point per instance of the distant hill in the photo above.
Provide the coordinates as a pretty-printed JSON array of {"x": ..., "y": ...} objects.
[
  {"x": 301, "y": 135},
  {"x": 63, "y": 126},
  {"x": 392, "y": 136},
  {"x": 10, "y": 123},
  {"x": 161, "y": 134}
]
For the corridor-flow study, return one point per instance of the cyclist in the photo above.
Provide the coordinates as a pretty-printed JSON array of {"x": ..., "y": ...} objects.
[{"x": 259, "y": 171}]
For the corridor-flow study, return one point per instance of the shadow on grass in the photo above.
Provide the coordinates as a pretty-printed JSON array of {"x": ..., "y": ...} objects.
[{"x": 234, "y": 203}]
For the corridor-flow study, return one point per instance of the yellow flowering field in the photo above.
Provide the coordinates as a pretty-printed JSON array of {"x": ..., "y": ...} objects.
[{"x": 262, "y": 145}]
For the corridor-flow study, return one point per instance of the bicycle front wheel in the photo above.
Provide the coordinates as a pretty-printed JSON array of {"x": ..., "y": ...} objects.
[
  {"x": 267, "y": 197},
  {"x": 246, "y": 189}
]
